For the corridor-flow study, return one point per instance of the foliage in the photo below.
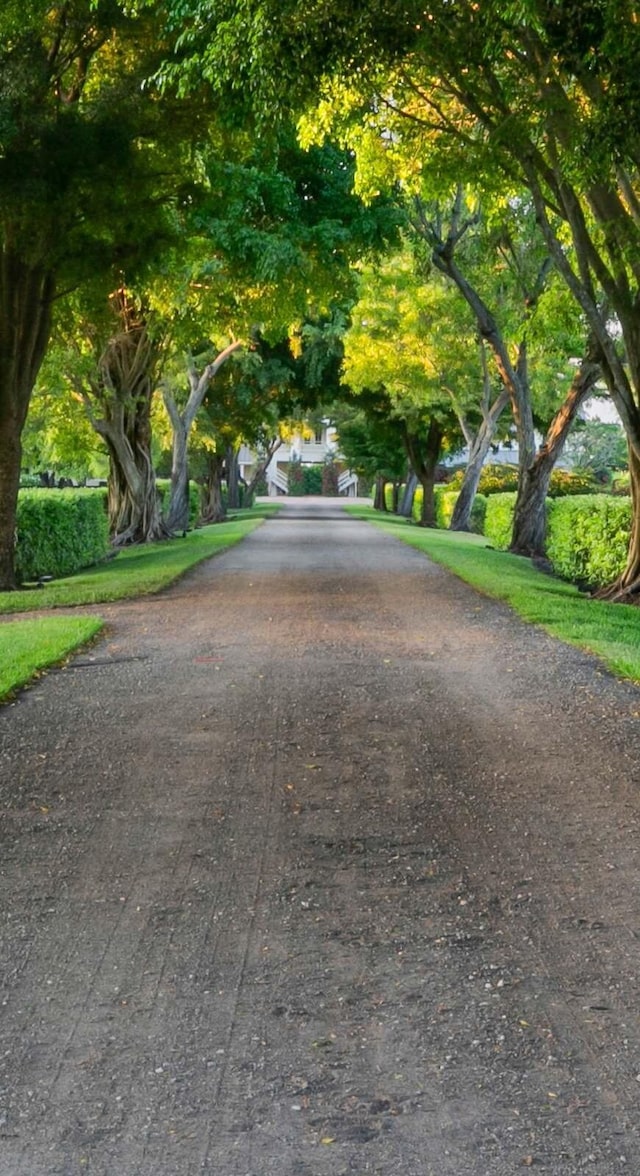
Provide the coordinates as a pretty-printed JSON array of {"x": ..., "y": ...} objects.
[
  {"x": 498, "y": 520},
  {"x": 494, "y": 479},
  {"x": 588, "y": 538},
  {"x": 570, "y": 482},
  {"x": 28, "y": 647},
  {"x": 445, "y": 502},
  {"x": 59, "y": 532},
  {"x": 499, "y": 478},
  {"x": 598, "y": 447}
]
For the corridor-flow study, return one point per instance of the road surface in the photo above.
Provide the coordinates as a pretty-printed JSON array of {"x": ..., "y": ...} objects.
[{"x": 320, "y": 864}]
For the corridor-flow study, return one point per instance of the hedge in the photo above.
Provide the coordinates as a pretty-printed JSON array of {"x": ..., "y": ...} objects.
[
  {"x": 499, "y": 479},
  {"x": 498, "y": 519},
  {"x": 59, "y": 532},
  {"x": 445, "y": 502},
  {"x": 588, "y": 537}
]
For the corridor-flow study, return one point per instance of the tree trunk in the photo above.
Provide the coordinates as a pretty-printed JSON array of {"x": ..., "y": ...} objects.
[
  {"x": 379, "y": 498},
  {"x": 423, "y": 456},
  {"x": 233, "y": 478},
  {"x": 213, "y": 508},
  {"x": 461, "y": 517},
  {"x": 123, "y": 388},
  {"x": 395, "y": 500},
  {"x": 25, "y": 325},
  {"x": 626, "y": 588},
  {"x": 405, "y": 509},
  {"x": 260, "y": 470},
  {"x": 530, "y": 521},
  {"x": 178, "y": 511},
  {"x": 181, "y": 423}
]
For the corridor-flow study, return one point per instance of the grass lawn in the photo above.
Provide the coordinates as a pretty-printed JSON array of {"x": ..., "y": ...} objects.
[
  {"x": 28, "y": 646},
  {"x": 612, "y": 631}
]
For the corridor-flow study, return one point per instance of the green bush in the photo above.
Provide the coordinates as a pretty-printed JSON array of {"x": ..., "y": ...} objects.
[
  {"x": 588, "y": 537},
  {"x": 498, "y": 479},
  {"x": 498, "y": 519},
  {"x": 494, "y": 479},
  {"x": 621, "y": 483},
  {"x": 59, "y": 532},
  {"x": 565, "y": 482},
  {"x": 445, "y": 502},
  {"x": 312, "y": 479},
  {"x": 163, "y": 486}
]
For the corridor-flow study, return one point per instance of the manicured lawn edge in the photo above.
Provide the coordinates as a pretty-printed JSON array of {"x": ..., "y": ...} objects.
[
  {"x": 610, "y": 631},
  {"x": 29, "y": 647}
]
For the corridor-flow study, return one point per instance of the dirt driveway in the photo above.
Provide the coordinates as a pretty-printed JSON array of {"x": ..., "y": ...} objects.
[{"x": 321, "y": 864}]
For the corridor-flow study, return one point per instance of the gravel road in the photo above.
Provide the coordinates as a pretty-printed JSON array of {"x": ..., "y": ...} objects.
[{"x": 320, "y": 864}]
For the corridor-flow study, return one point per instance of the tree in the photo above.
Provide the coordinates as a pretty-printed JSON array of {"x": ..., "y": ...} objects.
[
  {"x": 399, "y": 343},
  {"x": 538, "y": 93},
  {"x": 80, "y": 184}
]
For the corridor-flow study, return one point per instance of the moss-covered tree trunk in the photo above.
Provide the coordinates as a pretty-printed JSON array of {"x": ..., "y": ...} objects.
[{"x": 25, "y": 324}]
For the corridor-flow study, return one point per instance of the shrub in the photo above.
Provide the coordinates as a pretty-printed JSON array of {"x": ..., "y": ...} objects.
[
  {"x": 621, "y": 484},
  {"x": 588, "y": 537},
  {"x": 312, "y": 479},
  {"x": 498, "y": 479},
  {"x": 564, "y": 482},
  {"x": 494, "y": 479},
  {"x": 445, "y": 502},
  {"x": 498, "y": 519},
  {"x": 59, "y": 532}
]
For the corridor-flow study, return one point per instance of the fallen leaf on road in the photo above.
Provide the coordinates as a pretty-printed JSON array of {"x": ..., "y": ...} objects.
[{"x": 328, "y": 1139}]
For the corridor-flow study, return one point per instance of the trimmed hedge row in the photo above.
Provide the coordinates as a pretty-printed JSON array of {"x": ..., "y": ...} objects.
[
  {"x": 59, "y": 532},
  {"x": 587, "y": 535}
]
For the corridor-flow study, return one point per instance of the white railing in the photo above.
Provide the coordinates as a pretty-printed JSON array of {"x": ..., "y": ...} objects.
[
  {"x": 278, "y": 482},
  {"x": 348, "y": 483}
]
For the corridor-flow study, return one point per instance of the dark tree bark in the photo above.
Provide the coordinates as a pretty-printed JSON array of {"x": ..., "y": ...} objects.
[
  {"x": 405, "y": 507},
  {"x": 529, "y": 524},
  {"x": 233, "y": 478},
  {"x": 379, "y": 498},
  {"x": 213, "y": 507},
  {"x": 122, "y": 391},
  {"x": 423, "y": 454},
  {"x": 26, "y": 295}
]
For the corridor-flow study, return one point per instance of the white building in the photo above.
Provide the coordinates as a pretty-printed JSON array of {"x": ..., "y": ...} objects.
[{"x": 313, "y": 449}]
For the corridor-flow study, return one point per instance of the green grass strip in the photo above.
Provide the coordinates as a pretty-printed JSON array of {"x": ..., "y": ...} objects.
[
  {"x": 611, "y": 631},
  {"x": 136, "y": 571},
  {"x": 26, "y": 647}
]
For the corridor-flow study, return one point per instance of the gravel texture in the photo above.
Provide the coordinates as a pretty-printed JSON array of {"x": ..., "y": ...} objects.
[{"x": 320, "y": 864}]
